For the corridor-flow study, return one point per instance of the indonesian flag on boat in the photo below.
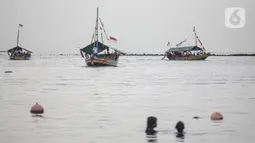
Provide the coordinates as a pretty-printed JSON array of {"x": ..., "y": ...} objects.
[{"x": 113, "y": 39}]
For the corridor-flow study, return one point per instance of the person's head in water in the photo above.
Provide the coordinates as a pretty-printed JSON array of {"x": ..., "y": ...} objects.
[
  {"x": 151, "y": 124},
  {"x": 180, "y": 127}
]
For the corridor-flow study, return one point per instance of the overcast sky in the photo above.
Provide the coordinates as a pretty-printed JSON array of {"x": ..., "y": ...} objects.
[{"x": 58, "y": 26}]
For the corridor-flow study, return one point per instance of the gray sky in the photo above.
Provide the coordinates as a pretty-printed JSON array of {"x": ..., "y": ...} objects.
[{"x": 58, "y": 26}]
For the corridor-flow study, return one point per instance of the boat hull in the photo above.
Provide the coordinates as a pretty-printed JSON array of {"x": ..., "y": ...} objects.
[
  {"x": 188, "y": 58},
  {"x": 20, "y": 57},
  {"x": 98, "y": 62}
]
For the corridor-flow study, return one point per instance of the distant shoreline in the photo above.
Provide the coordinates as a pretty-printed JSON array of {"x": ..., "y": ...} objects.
[
  {"x": 232, "y": 54},
  {"x": 222, "y": 55},
  {"x": 209, "y": 55}
]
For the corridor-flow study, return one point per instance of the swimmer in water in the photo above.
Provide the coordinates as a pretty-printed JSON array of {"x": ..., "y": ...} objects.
[
  {"x": 151, "y": 124},
  {"x": 180, "y": 127},
  {"x": 150, "y": 132}
]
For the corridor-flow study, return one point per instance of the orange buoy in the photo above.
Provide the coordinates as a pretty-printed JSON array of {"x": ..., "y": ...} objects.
[
  {"x": 37, "y": 109},
  {"x": 216, "y": 116}
]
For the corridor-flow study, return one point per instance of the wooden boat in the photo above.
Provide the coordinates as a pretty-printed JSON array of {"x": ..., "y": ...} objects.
[
  {"x": 188, "y": 52},
  {"x": 97, "y": 53},
  {"x": 185, "y": 53},
  {"x": 19, "y": 53}
]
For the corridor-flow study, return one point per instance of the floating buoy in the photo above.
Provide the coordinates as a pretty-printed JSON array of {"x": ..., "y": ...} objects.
[
  {"x": 216, "y": 116},
  {"x": 196, "y": 117},
  {"x": 37, "y": 109},
  {"x": 8, "y": 71}
]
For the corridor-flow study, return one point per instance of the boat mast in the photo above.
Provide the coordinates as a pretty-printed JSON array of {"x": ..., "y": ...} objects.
[
  {"x": 97, "y": 31},
  {"x": 18, "y": 38},
  {"x": 195, "y": 35}
]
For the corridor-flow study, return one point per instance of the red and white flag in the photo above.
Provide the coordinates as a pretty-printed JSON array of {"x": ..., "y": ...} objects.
[{"x": 113, "y": 39}]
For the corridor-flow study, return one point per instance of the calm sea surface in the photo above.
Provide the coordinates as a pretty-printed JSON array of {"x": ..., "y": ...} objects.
[{"x": 111, "y": 104}]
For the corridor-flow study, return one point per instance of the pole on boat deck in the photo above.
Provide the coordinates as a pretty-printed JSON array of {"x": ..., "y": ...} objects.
[
  {"x": 194, "y": 30},
  {"x": 18, "y": 38},
  {"x": 20, "y": 25},
  {"x": 168, "y": 44},
  {"x": 97, "y": 30}
]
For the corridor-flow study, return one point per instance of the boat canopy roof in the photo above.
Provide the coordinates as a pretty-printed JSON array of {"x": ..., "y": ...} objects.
[
  {"x": 184, "y": 49},
  {"x": 101, "y": 47},
  {"x": 89, "y": 49},
  {"x": 18, "y": 48}
]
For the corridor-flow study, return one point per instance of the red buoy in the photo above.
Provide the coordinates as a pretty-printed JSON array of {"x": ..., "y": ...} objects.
[{"x": 37, "y": 109}]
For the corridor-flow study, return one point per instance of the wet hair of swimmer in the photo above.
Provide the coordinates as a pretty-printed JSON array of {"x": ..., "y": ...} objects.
[
  {"x": 180, "y": 127},
  {"x": 151, "y": 124}
]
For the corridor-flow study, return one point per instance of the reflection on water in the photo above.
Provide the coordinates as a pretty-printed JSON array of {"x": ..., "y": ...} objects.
[
  {"x": 180, "y": 135},
  {"x": 151, "y": 138},
  {"x": 38, "y": 116},
  {"x": 111, "y": 104}
]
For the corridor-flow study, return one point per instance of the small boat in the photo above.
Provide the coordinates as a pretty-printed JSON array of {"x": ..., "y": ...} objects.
[
  {"x": 188, "y": 52},
  {"x": 19, "y": 53},
  {"x": 97, "y": 53}
]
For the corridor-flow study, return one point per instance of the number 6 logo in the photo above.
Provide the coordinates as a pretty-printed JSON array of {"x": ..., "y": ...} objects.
[{"x": 235, "y": 17}]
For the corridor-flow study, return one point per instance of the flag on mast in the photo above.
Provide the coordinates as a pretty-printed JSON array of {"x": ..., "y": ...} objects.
[
  {"x": 199, "y": 41},
  {"x": 20, "y": 25},
  {"x": 179, "y": 44},
  {"x": 204, "y": 50},
  {"x": 113, "y": 39},
  {"x": 168, "y": 43}
]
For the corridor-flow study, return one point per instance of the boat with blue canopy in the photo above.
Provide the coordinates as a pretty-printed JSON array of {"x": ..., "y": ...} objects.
[{"x": 98, "y": 53}]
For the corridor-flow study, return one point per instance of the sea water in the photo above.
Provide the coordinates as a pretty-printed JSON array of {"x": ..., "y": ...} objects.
[{"x": 111, "y": 104}]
